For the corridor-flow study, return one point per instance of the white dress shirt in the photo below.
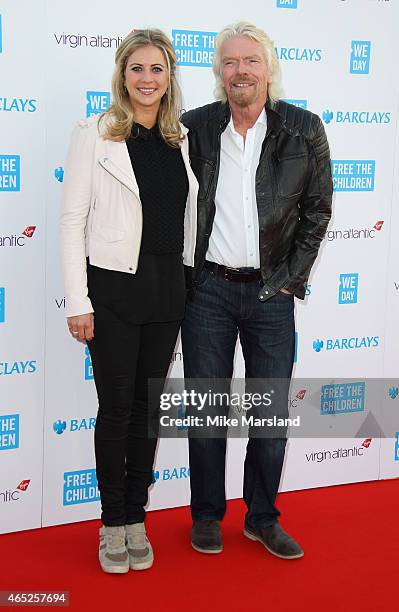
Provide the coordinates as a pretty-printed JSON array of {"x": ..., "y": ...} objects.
[{"x": 234, "y": 241}]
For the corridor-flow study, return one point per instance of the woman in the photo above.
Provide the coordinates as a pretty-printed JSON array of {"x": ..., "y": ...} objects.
[{"x": 129, "y": 206}]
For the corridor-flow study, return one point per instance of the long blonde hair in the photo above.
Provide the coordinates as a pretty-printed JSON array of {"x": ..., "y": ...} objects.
[{"x": 119, "y": 118}]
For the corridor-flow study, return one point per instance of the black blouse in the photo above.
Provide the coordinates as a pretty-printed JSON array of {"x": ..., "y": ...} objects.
[
  {"x": 163, "y": 185},
  {"x": 156, "y": 293}
]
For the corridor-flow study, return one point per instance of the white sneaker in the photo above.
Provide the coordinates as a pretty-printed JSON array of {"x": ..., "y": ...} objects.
[
  {"x": 141, "y": 555},
  {"x": 112, "y": 553}
]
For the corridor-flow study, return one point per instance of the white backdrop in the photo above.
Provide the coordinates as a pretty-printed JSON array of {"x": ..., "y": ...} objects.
[{"x": 338, "y": 59}]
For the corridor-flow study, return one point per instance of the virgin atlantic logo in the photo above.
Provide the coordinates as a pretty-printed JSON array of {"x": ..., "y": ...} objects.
[{"x": 23, "y": 485}]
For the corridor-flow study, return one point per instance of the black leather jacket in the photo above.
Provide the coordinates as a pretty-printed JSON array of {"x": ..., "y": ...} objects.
[{"x": 293, "y": 190}]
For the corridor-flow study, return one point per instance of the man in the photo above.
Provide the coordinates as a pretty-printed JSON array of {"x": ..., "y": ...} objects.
[{"x": 264, "y": 203}]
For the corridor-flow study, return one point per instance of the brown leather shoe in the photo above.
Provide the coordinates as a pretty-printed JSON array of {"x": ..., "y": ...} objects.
[
  {"x": 206, "y": 537},
  {"x": 275, "y": 540}
]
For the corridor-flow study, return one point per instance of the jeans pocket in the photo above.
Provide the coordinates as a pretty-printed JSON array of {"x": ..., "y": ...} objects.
[
  {"x": 202, "y": 278},
  {"x": 284, "y": 296}
]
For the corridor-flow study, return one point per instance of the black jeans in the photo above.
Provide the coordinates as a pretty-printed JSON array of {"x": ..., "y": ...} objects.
[
  {"x": 124, "y": 357},
  {"x": 220, "y": 311}
]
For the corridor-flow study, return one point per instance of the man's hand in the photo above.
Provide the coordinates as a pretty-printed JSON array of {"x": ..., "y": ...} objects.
[
  {"x": 82, "y": 326},
  {"x": 285, "y": 291}
]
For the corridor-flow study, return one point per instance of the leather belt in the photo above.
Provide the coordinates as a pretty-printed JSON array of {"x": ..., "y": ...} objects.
[{"x": 238, "y": 275}]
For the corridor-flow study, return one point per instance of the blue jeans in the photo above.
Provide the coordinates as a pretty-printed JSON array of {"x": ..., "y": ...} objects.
[{"x": 219, "y": 312}]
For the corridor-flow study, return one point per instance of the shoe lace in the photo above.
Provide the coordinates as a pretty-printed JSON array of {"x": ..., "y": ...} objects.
[
  {"x": 115, "y": 541},
  {"x": 137, "y": 540}
]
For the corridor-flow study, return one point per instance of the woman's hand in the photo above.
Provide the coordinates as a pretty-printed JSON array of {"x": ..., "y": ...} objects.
[{"x": 82, "y": 326}]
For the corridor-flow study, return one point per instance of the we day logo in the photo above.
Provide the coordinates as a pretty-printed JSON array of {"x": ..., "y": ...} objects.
[
  {"x": 348, "y": 286},
  {"x": 289, "y": 4},
  {"x": 88, "y": 365},
  {"x": 97, "y": 102},
  {"x": 360, "y": 57}
]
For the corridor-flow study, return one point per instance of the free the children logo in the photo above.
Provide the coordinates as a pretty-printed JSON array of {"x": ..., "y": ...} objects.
[
  {"x": 194, "y": 47},
  {"x": 10, "y": 173},
  {"x": 9, "y": 431},
  {"x": 353, "y": 174}
]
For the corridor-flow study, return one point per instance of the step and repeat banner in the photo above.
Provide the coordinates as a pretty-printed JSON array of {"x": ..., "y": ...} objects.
[{"x": 338, "y": 59}]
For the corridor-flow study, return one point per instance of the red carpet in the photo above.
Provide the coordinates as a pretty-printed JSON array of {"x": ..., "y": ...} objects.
[{"x": 350, "y": 535}]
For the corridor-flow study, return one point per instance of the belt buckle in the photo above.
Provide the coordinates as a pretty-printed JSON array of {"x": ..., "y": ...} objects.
[{"x": 227, "y": 272}]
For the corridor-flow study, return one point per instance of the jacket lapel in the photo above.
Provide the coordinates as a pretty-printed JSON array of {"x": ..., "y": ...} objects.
[{"x": 117, "y": 162}]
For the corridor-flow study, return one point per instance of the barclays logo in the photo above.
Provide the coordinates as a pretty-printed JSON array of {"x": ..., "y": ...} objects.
[
  {"x": 9, "y": 431},
  {"x": 328, "y": 116},
  {"x": 360, "y": 57},
  {"x": 59, "y": 174},
  {"x": 357, "y": 342},
  {"x": 194, "y": 48},
  {"x": 19, "y": 105},
  {"x": 348, "y": 287},
  {"x": 298, "y": 54},
  {"x": 393, "y": 392},
  {"x": 59, "y": 427},
  {"x": 17, "y": 367},
  {"x": 168, "y": 474},
  {"x": 357, "y": 117},
  {"x": 10, "y": 173},
  {"x": 318, "y": 345},
  {"x": 97, "y": 102},
  {"x": 2, "y": 305},
  {"x": 289, "y": 4}
]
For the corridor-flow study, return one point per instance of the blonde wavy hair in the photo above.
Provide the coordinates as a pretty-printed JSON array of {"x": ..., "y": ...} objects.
[
  {"x": 243, "y": 28},
  {"x": 119, "y": 118}
]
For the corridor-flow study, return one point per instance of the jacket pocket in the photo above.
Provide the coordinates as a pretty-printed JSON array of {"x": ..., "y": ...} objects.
[
  {"x": 108, "y": 234},
  {"x": 290, "y": 175}
]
